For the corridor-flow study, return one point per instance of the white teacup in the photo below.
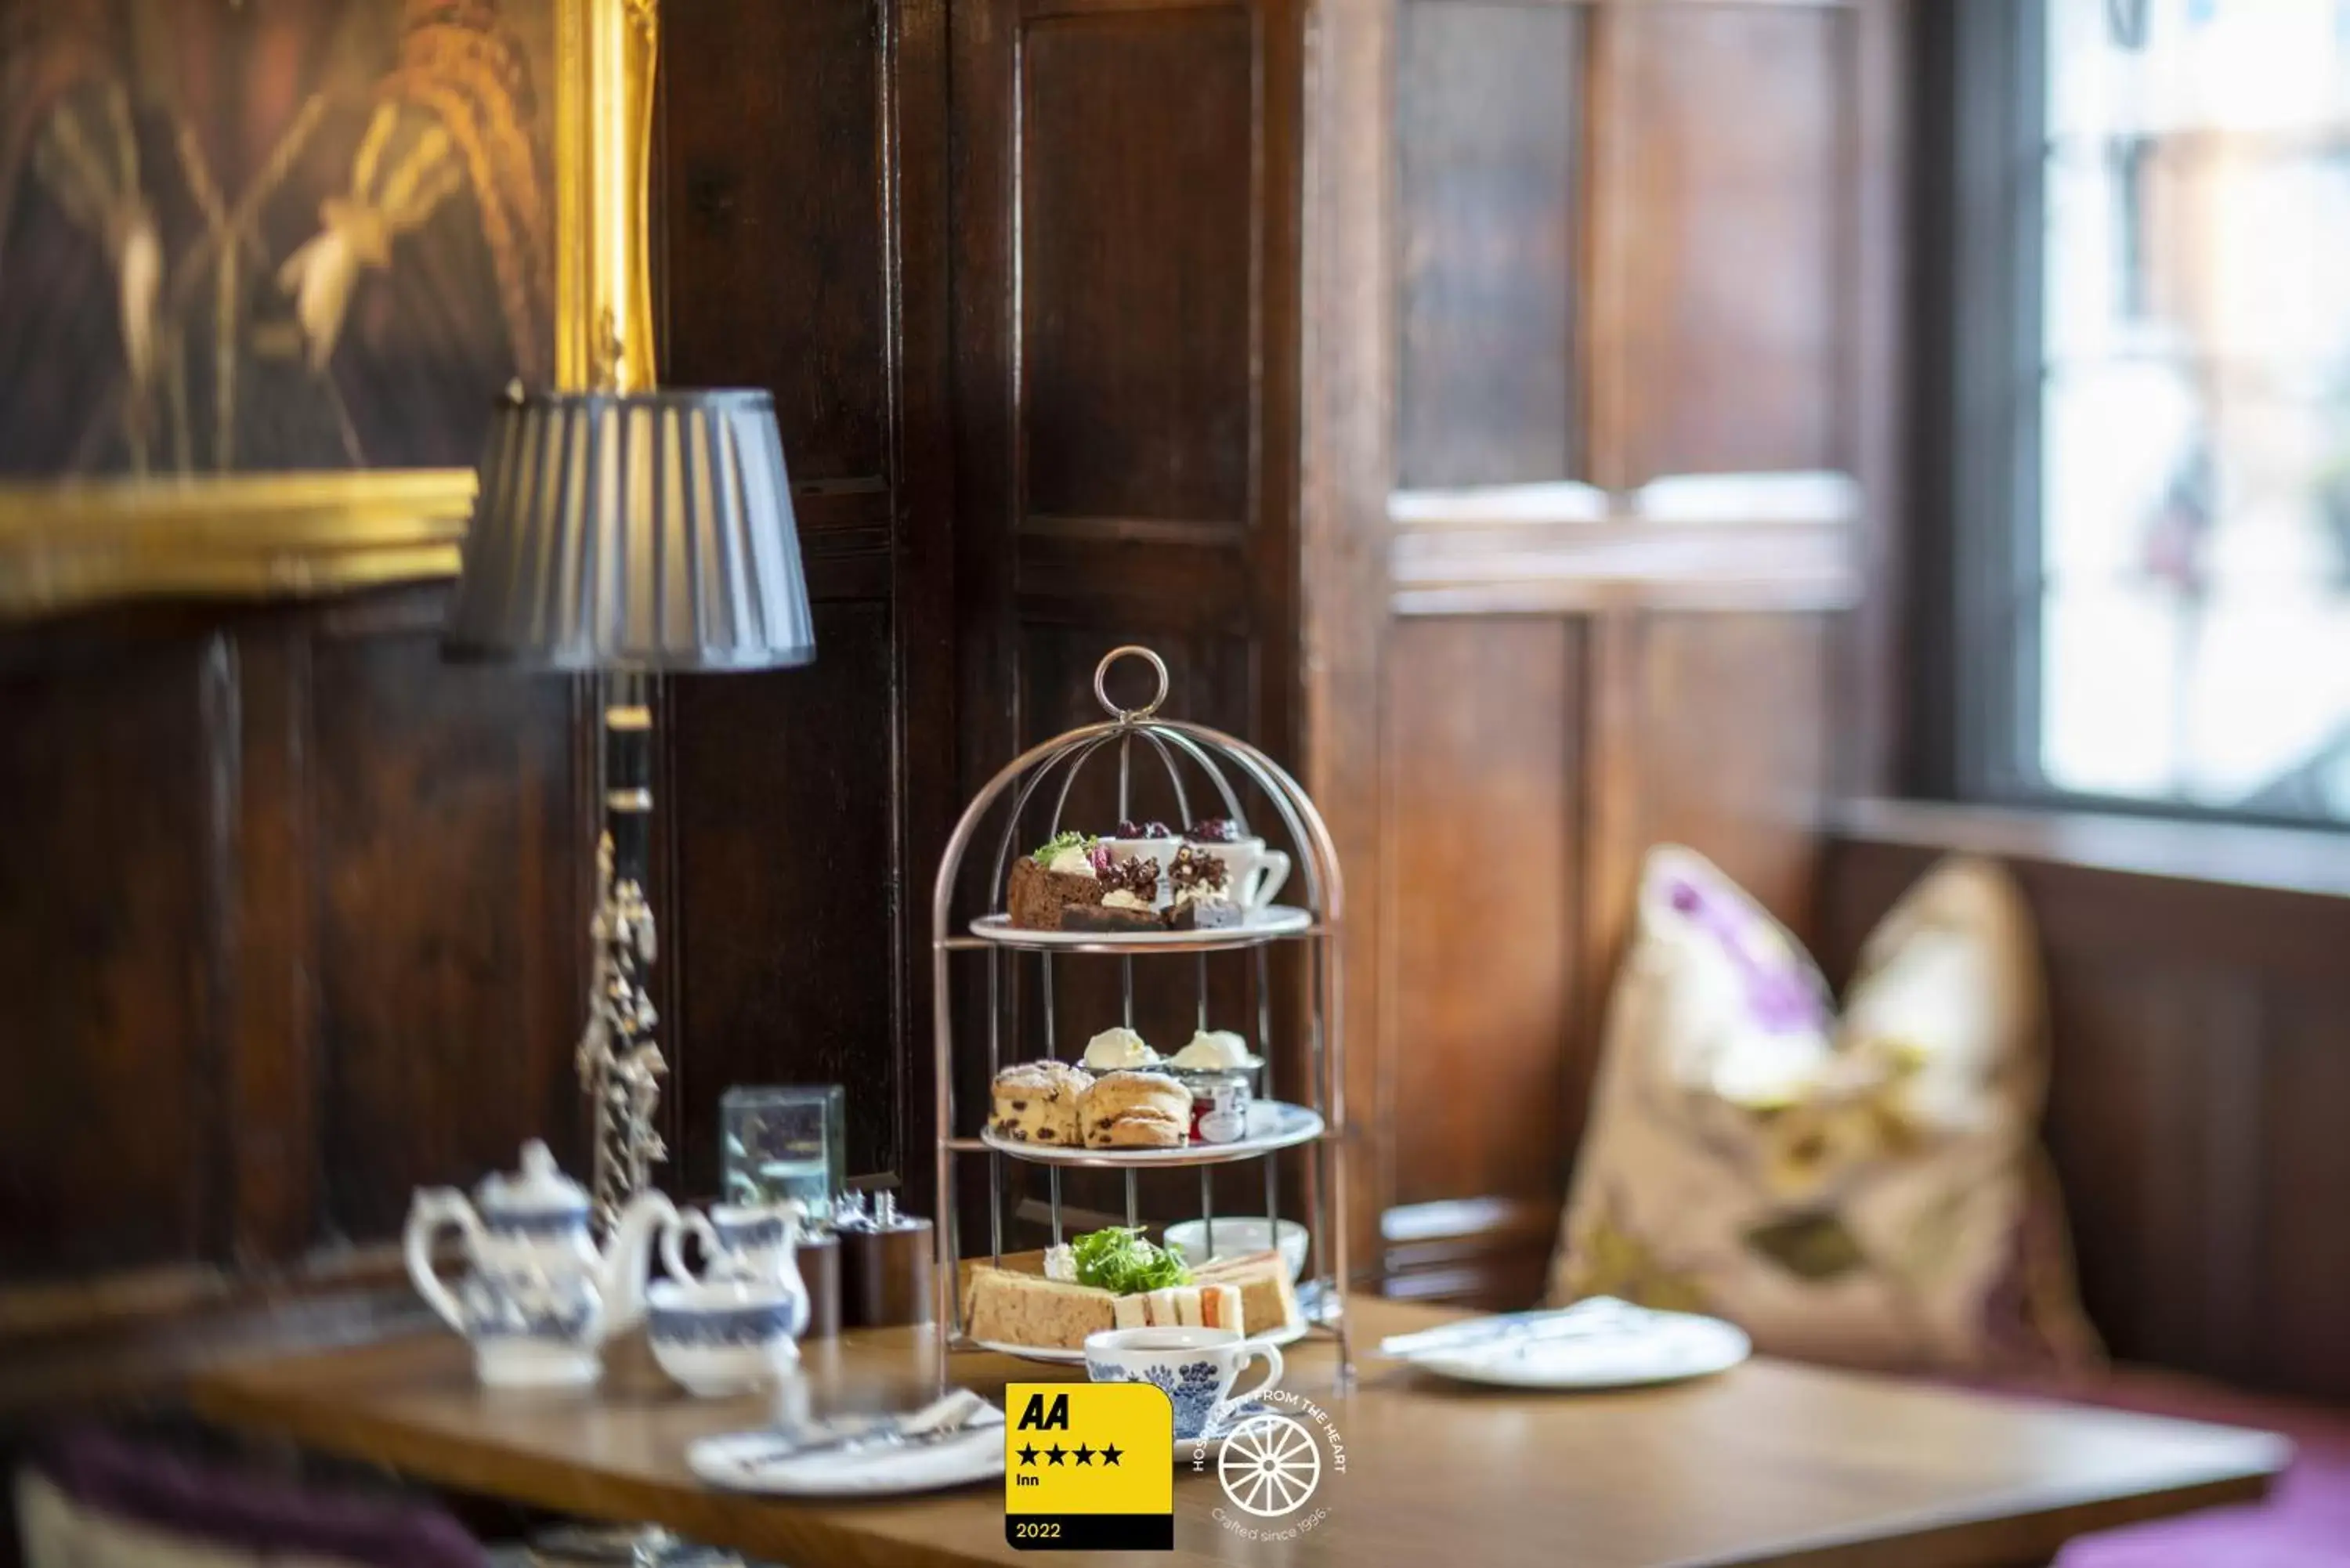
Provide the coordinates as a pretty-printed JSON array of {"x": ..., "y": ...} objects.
[
  {"x": 722, "y": 1336},
  {"x": 1196, "y": 1367},
  {"x": 1255, "y": 873}
]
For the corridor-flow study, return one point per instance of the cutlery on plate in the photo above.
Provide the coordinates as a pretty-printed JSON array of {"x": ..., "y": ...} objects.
[
  {"x": 950, "y": 1416},
  {"x": 1591, "y": 1318}
]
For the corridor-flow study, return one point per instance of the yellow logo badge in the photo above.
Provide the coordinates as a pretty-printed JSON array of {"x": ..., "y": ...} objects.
[{"x": 1088, "y": 1467}]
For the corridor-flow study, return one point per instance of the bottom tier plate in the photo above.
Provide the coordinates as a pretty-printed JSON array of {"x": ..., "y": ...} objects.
[{"x": 1058, "y": 1358}]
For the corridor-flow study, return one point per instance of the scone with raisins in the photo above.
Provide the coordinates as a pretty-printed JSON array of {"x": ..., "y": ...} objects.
[{"x": 1037, "y": 1102}]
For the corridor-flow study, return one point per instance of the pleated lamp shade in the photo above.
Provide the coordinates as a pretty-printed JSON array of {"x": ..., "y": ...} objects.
[{"x": 647, "y": 531}]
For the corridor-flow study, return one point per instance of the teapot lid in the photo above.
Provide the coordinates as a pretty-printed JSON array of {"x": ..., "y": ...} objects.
[{"x": 538, "y": 1188}]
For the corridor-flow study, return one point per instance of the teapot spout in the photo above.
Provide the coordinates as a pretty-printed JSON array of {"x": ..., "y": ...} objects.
[{"x": 628, "y": 1260}]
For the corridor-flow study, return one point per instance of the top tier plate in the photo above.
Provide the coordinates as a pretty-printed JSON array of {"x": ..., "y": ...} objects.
[{"x": 1273, "y": 921}]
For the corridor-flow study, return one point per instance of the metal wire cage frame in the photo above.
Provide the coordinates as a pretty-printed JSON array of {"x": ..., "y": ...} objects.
[{"x": 1209, "y": 752}]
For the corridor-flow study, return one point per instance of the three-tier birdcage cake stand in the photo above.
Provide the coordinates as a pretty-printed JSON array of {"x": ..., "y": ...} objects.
[{"x": 1307, "y": 1117}]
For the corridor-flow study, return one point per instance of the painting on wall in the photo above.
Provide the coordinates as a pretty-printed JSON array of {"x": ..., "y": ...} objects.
[{"x": 264, "y": 266}]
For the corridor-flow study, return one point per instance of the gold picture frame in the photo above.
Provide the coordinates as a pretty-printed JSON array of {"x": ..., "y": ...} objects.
[{"x": 71, "y": 545}]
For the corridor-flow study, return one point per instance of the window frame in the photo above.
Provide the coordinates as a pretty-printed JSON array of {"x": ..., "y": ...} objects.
[{"x": 1981, "y": 76}]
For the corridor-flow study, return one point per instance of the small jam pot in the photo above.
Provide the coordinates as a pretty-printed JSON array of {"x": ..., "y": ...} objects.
[{"x": 1220, "y": 1105}]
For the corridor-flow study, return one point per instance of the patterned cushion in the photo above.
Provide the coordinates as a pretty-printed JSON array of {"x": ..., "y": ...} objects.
[{"x": 1867, "y": 1189}]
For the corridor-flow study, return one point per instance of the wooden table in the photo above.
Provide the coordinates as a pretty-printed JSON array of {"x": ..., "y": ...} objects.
[{"x": 1771, "y": 1463}]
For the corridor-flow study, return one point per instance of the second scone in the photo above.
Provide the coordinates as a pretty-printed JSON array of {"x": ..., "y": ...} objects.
[{"x": 1135, "y": 1110}]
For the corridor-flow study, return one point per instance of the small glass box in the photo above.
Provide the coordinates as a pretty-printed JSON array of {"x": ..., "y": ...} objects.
[{"x": 784, "y": 1142}]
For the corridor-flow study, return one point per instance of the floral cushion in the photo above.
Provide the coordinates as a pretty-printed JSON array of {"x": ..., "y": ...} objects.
[{"x": 1865, "y": 1189}]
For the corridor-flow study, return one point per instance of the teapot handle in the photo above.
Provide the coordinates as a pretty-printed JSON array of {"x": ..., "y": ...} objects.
[
  {"x": 434, "y": 1209},
  {"x": 672, "y": 1243}
]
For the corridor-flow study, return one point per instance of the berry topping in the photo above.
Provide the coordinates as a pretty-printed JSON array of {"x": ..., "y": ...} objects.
[
  {"x": 1132, "y": 829},
  {"x": 1215, "y": 830}
]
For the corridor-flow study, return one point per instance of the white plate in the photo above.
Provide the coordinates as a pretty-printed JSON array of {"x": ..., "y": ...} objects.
[
  {"x": 1058, "y": 1358},
  {"x": 1272, "y": 1124},
  {"x": 733, "y": 1461},
  {"x": 1661, "y": 1347},
  {"x": 1273, "y": 920}
]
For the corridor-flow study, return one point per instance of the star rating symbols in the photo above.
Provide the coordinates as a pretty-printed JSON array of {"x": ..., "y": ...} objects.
[{"x": 1085, "y": 1454}]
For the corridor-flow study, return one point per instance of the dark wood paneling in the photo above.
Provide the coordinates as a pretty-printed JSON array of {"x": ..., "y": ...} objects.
[
  {"x": 2146, "y": 1124},
  {"x": 806, "y": 252},
  {"x": 1622, "y": 240},
  {"x": 1721, "y": 198},
  {"x": 1347, "y": 468},
  {"x": 774, "y": 260},
  {"x": 1139, "y": 181},
  {"x": 1488, "y": 1251},
  {"x": 2194, "y": 1101},
  {"x": 272, "y": 923},
  {"x": 2300, "y": 1166},
  {"x": 112, "y": 770},
  {"x": 1734, "y": 748},
  {"x": 789, "y": 891},
  {"x": 450, "y": 949},
  {"x": 1126, "y": 295},
  {"x": 1481, "y": 851},
  {"x": 299, "y": 931},
  {"x": 1486, "y": 117}
]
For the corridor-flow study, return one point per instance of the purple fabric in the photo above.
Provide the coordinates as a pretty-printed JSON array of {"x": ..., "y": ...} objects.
[
  {"x": 225, "y": 1508},
  {"x": 2303, "y": 1524},
  {"x": 1779, "y": 998}
]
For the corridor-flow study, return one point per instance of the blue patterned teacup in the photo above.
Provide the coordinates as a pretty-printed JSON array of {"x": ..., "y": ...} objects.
[
  {"x": 722, "y": 1336},
  {"x": 1195, "y": 1366}
]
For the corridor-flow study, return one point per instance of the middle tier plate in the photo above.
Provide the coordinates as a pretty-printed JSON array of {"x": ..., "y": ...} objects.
[
  {"x": 1273, "y": 1124},
  {"x": 1265, "y": 925}
]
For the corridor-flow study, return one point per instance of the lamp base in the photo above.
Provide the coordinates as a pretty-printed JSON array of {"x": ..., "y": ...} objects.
[{"x": 620, "y": 1066}]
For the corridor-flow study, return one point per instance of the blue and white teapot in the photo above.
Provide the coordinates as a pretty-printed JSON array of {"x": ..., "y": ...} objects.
[{"x": 537, "y": 1300}]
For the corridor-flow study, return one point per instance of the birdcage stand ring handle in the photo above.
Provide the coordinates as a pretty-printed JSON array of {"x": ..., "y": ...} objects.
[{"x": 1101, "y": 683}]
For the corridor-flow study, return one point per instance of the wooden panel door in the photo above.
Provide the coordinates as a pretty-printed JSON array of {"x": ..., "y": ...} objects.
[
  {"x": 804, "y": 184},
  {"x": 1126, "y": 295},
  {"x": 1582, "y": 508}
]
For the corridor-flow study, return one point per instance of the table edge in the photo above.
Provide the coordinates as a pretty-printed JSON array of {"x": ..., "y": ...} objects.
[{"x": 2043, "y": 1522}]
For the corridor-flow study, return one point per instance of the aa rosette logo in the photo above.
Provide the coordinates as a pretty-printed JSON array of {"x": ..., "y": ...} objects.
[
  {"x": 1275, "y": 1461},
  {"x": 1088, "y": 1467}
]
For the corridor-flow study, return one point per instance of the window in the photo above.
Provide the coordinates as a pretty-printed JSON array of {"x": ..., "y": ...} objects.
[{"x": 2149, "y": 461}]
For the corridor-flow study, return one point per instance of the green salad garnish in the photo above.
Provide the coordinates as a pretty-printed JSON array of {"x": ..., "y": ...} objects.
[
  {"x": 1119, "y": 1260},
  {"x": 1060, "y": 841}
]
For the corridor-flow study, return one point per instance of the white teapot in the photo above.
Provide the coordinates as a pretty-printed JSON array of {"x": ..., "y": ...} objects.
[{"x": 537, "y": 1302}]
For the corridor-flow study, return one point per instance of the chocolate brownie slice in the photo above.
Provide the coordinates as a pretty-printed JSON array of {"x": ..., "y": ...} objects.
[{"x": 1035, "y": 897}]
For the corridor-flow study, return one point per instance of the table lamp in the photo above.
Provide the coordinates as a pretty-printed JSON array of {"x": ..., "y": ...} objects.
[{"x": 633, "y": 535}]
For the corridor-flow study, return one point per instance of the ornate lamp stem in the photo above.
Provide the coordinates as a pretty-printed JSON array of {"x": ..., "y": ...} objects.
[{"x": 620, "y": 1066}]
